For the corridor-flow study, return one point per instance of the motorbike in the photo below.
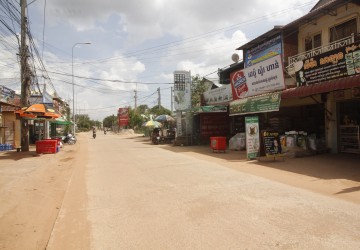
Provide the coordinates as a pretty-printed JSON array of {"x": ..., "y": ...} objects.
[
  {"x": 155, "y": 138},
  {"x": 94, "y": 135},
  {"x": 69, "y": 139}
]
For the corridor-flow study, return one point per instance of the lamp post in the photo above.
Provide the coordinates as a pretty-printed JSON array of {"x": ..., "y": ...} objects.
[{"x": 72, "y": 69}]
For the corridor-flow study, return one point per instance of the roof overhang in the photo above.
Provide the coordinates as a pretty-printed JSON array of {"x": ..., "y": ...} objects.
[
  {"x": 261, "y": 39},
  {"x": 323, "y": 87}
]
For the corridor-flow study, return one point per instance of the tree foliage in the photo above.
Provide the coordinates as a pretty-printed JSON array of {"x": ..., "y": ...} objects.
[{"x": 198, "y": 87}]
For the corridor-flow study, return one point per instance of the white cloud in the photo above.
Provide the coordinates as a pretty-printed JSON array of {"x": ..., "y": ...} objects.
[{"x": 147, "y": 41}]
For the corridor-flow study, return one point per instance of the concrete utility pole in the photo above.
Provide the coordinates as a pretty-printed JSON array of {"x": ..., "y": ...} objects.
[
  {"x": 135, "y": 96},
  {"x": 25, "y": 77},
  {"x": 159, "y": 98},
  {"x": 172, "y": 97}
]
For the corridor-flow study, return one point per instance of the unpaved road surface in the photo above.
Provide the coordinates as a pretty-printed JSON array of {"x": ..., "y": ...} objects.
[{"x": 119, "y": 192}]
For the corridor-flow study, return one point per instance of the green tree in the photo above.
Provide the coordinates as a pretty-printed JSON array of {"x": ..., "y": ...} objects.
[
  {"x": 198, "y": 87},
  {"x": 159, "y": 111},
  {"x": 109, "y": 121},
  {"x": 83, "y": 122}
]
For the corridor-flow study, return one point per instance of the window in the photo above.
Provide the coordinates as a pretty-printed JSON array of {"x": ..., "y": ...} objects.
[
  {"x": 179, "y": 82},
  {"x": 343, "y": 30},
  {"x": 312, "y": 42}
]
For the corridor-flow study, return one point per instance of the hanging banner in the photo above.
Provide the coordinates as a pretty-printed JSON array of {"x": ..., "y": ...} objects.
[
  {"x": 257, "y": 104},
  {"x": 252, "y": 137},
  {"x": 336, "y": 63},
  {"x": 264, "y": 77},
  {"x": 123, "y": 116}
]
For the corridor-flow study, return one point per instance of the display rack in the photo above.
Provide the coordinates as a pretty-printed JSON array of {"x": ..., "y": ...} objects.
[{"x": 349, "y": 139}]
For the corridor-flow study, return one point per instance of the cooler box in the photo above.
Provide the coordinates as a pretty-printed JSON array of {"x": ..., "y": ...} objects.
[
  {"x": 218, "y": 143},
  {"x": 46, "y": 147}
]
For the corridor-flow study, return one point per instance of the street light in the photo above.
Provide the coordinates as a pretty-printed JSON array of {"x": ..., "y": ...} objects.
[{"x": 72, "y": 68}]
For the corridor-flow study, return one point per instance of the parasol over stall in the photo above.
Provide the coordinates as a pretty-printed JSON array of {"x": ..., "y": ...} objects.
[
  {"x": 164, "y": 118},
  {"x": 152, "y": 123},
  {"x": 42, "y": 110}
]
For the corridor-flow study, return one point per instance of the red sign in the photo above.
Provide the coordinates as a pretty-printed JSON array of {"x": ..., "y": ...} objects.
[
  {"x": 123, "y": 116},
  {"x": 238, "y": 84}
]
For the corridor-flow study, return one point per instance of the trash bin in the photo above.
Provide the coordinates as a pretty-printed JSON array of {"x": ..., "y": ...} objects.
[{"x": 218, "y": 144}]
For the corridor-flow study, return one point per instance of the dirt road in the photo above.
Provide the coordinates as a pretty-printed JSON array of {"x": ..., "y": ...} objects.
[{"x": 124, "y": 193}]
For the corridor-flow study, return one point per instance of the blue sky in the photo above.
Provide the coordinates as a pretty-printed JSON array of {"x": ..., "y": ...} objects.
[{"x": 138, "y": 44}]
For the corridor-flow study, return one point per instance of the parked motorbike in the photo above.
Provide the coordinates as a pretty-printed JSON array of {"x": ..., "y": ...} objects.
[{"x": 69, "y": 139}]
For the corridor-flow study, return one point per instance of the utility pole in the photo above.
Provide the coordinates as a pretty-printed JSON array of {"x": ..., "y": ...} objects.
[
  {"x": 159, "y": 98},
  {"x": 25, "y": 78},
  {"x": 171, "y": 94},
  {"x": 135, "y": 96}
]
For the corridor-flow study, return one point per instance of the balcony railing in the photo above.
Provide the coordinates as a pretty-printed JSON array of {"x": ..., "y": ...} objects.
[{"x": 318, "y": 51}]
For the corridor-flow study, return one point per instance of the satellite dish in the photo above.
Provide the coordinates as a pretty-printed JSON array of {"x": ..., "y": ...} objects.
[{"x": 235, "y": 57}]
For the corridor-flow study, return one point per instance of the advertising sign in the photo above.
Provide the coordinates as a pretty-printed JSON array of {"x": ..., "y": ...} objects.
[
  {"x": 179, "y": 123},
  {"x": 337, "y": 63},
  {"x": 272, "y": 145},
  {"x": 263, "y": 51},
  {"x": 182, "y": 91},
  {"x": 123, "y": 116},
  {"x": 252, "y": 137},
  {"x": 257, "y": 104},
  {"x": 219, "y": 95},
  {"x": 261, "y": 78},
  {"x": 6, "y": 95}
]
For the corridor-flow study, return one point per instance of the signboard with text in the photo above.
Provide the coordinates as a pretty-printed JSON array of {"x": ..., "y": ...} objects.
[
  {"x": 256, "y": 104},
  {"x": 6, "y": 95},
  {"x": 263, "y": 51},
  {"x": 264, "y": 77},
  {"x": 123, "y": 116},
  {"x": 252, "y": 137},
  {"x": 272, "y": 145},
  {"x": 333, "y": 64},
  {"x": 218, "y": 96},
  {"x": 182, "y": 90}
]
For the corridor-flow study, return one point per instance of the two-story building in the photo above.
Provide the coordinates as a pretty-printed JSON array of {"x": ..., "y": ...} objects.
[{"x": 320, "y": 83}]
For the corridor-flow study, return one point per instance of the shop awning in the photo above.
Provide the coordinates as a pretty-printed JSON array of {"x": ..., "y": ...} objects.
[{"x": 323, "y": 87}]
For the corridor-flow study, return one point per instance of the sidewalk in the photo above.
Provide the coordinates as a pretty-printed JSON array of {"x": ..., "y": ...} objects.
[{"x": 335, "y": 175}]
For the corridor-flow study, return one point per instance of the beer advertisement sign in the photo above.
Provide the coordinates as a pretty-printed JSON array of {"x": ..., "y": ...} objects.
[{"x": 264, "y": 77}]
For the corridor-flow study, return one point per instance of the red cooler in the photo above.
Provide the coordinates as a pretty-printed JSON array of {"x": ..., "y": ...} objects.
[
  {"x": 46, "y": 147},
  {"x": 218, "y": 143}
]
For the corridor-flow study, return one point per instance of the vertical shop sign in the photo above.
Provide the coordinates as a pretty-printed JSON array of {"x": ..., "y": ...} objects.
[
  {"x": 252, "y": 137},
  {"x": 178, "y": 124},
  {"x": 182, "y": 90}
]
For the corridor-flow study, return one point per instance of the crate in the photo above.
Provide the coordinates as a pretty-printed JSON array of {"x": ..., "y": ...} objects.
[
  {"x": 218, "y": 144},
  {"x": 46, "y": 147}
]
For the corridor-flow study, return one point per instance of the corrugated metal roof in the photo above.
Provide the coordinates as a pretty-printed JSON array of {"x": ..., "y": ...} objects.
[{"x": 323, "y": 87}]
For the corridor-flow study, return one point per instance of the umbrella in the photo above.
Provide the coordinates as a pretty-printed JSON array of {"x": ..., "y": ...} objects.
[
  {"x": 21, "y": 113},
  {"x": 41, "y": 110},
  {"x": 152, "y": 123},
  {"x": 164, "y": 118}
]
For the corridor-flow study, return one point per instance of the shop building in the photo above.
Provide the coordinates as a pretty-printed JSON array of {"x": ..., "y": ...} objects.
[{"x": 320, "y": 53}]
